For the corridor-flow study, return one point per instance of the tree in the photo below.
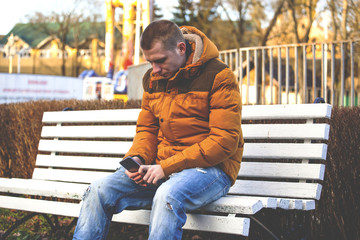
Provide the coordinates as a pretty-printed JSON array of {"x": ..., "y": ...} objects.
[
  {"x": 302, "y": 9},
  {"x": 65, "y": 25},
  {"x": 156, "y": 12},
  {"x": 55, "y": 24},
  {"x": 277, "y": 12},
  {"x": 238, "y": 19},
  {"x": 205, "y": 15},
  {"x": 345, "y": 17},
  {"x": 184, "y": 13}
]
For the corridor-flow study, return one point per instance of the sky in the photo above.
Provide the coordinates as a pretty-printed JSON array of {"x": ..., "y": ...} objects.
[{"x": 15, "y": 11}]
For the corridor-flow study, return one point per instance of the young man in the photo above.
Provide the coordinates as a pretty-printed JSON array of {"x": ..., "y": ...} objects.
[{"x": 188, "y": 137}]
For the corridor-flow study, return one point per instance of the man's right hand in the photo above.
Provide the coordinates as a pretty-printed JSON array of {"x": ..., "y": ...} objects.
[{"x": 136, "y": 176}]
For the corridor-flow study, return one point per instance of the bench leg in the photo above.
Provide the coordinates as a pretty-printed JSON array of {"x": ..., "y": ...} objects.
[
  {"x": 54, "y": 226},
  {"x": 264, "y": 227},
  {"x": 17, "y": 223}
]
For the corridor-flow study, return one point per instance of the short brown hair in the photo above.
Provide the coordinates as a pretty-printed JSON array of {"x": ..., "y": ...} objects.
[{"x": 165, "y": 31}]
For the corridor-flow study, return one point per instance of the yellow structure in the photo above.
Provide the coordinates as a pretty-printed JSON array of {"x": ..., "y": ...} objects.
[{"x": 135, "y": 14}]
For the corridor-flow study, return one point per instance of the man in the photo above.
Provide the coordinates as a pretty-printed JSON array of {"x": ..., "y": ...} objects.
[{"x": 188, "y": 137}]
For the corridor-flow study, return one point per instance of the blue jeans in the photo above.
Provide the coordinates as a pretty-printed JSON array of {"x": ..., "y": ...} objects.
[{"x": 183, "y": 191}]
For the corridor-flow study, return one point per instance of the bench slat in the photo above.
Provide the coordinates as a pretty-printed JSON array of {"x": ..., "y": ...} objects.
[
  {"x": 248, "y": 169},
  {"x": 291, "y": 111},
  {"x": 250, "y": 131},
  {"x": 229, "y": 204},
  {"x": 251, "y": 150},
  {"x": 84, "y": 162},
  {"x": 118, "y": 115},
  {"x": 95, "y": 147},
  {"x": 77, "y": 176},
  {"x": 282, "y": 170},
  {"x": 235, "y": 225},
  {"x": 277, "y": 189},
  {"x": 236, "y": 205},
  {"x": 125, "y": 131},
  {"x": 286, "y": 131},
  {"x": 241, "y": 187},
  {"x": 45, "y": 188},
  {"x": 254, "y": 112},
  {"x": 285, "y": 150},
  {"x": 267, "y": 202}
]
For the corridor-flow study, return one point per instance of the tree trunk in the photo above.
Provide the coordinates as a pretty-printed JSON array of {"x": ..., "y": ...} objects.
[{"x": 344, "y": 20}]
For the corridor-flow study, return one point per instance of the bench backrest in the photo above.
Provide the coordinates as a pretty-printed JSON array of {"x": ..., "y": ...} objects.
[{"x": 284, "y": 153}]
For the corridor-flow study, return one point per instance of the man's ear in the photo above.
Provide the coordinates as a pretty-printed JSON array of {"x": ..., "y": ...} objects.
[{"x": 181, "y": 46}]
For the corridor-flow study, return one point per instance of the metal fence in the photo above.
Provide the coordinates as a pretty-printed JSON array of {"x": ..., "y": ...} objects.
[{"x": 298, "y": 73}]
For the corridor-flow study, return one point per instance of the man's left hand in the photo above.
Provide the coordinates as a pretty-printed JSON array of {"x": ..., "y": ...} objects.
[{"x": 153, "y": 173}]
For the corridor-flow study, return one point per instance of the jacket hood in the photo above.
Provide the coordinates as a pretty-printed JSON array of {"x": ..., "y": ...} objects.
[{"x": 203, "y": 49}]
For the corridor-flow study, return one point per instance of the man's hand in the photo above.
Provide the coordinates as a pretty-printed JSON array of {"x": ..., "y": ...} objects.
[
  {"x": 152, "y": 173},
  {"x": 137, "y": 177},
  {"x": 147, "y": 174}
]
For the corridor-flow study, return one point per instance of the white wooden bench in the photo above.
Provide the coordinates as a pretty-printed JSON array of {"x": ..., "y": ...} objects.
[{"x": 283, "y": 164}]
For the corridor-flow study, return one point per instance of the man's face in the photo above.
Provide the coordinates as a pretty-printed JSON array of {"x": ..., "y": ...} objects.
[{"x": 166, "y": 62}]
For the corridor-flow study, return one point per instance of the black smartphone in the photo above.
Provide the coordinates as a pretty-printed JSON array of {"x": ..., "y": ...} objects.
[{"x": 130, "y": 164}]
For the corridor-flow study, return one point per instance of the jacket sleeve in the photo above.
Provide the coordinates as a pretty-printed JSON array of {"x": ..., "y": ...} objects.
[
  {"x": 224, "y": 124},
  {"x": 145, "y": 141}
]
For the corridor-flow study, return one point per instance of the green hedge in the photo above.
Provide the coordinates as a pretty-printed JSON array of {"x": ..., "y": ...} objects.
[{"x": 337, "y": 214}]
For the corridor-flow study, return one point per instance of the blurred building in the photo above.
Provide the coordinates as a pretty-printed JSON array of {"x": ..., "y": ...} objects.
[{"x": 27, "y": 49}]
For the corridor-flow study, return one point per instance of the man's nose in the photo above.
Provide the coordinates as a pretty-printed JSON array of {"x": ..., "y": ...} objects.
[{"x": 156, "y": 68}]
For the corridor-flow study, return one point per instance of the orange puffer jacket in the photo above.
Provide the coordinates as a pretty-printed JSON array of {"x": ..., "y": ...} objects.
[{"x": 194, "y": 118}]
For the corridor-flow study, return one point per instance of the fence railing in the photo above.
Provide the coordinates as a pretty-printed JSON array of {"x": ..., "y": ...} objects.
[{"x": 298, "y": 73}]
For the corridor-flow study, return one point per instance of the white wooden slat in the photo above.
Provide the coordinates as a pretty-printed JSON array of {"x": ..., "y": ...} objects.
[
  {"x": 267, "y": 202},
  {"x": 248, "y": 169},
  {"x": 282, "y": 170},
  {"x": 283, "y": 204},
  {"x": 298, "y": 204},
  {"x": 71, "y": 146},
  {"x": 308, "y": 205},
  {"x": 75, "y": 176},
  {"x": 43, "y": 188},
  {"x": 235, "y": 205},
  {"x": 293, "y": 203},
  {"x": 251, "y": 150},
  {"x": 285, "y": 150},
  {"x": 254, "y": 112},
  {"x": 286, "y": 131},
  {"x": 291, "y": 111},
  {"x": 221, "y": 224},
  {"x": 83, "y": 162},
  {"x": 125, "y": 131},
  {"x": 277, "y": 189},
  {"x": 250, "y": 131},
  {"x": 118, "y": 115},
  {"x": 200, "y": 222},
  {"x": 41, "y": 206},
  {"x": 229, "y": 204}
]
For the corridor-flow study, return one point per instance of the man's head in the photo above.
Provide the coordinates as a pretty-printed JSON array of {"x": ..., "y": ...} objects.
[{"x": 164, "y": 47}]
